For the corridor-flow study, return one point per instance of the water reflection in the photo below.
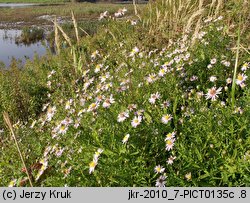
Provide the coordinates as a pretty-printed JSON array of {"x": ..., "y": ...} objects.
[
  {"x": 10, "y": 49},
  {"x": 13, "y": 5}
]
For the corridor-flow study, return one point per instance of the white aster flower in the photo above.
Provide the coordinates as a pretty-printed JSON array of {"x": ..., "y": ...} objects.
[
  {"x": 171, "y": 159},
  {"x": 170, "y": 136},
  {"x": 136, "y": 121},
  {"x": 241, "y": 78},
  {"x": 92, "y": 166},
  {"x": 160, "y": 182},
  {"x": 107, "y": 103},
  {"x": 213, "y": 93},
  {"x": 93, "y": 106},
  {"x": 50, "y": 113},
  {"x": 123, "y": 116},
  {"x": 159, "y": 169},
  {"x": 154, "y": 97},
  {"x": 134, "y": 51},
  {"x": 170, "y": 144},
  {"x": 229, "y": 80},
  {"x": 213, "y": 79},
  {"x": 166, "y": 118},
  {"x": 213, "y": 61},
  {"x": 125, "y": 139}
]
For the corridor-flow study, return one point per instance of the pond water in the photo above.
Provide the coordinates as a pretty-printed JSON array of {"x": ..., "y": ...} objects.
[
  {"x": 13, "y": 5},
  {"x": 10, "y": 49}
]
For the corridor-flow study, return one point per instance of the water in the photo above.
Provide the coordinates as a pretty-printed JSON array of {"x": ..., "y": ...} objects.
[
  {"x": 13, "y": 5},
  {"x": 9, "y": 49}
]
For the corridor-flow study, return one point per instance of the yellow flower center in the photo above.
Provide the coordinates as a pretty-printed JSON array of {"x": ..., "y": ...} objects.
[
  {"x": 240, "y": 77},
  {"x": 169, "y": 142},
  {"x": 92, "y": 164},
  {"x": 169, "y": 135},
  {"x": 167, "y": 117}
]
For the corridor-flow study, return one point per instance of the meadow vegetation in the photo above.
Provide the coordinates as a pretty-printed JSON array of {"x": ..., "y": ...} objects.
[
  {"x": 35, "y": 15},
  {"x": 157, "y": 99},
  {"x": 34, "y": 1}
]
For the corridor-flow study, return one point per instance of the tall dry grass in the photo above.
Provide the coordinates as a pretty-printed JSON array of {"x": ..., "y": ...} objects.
[
  {"x": 171, "y": 17},
  {"x": 10, "y": 126}
]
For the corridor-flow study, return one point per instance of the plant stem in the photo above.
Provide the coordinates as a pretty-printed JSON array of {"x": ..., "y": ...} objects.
[
  {"x": 236, "y": 65},
  {"x": 8, "y": 122}
]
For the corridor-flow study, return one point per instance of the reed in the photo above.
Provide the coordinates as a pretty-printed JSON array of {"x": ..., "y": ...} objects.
[
  {"x": 57, "y": 38},
  {"x": 75, "y": 26},
  {"x": 66, "y": 37}
]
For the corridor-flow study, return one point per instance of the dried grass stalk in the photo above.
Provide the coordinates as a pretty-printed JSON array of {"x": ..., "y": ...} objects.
[
  {"x": 57, "y": 38},
  {"x": 76, "y": 27},
  {"x": 9, "y": 125},
  {"x": 66, "y": 37}
]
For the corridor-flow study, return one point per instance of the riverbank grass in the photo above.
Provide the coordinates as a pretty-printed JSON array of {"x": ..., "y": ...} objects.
[{"x": 135, "y": 105}]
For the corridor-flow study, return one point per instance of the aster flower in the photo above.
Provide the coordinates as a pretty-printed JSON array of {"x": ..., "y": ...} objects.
[
  {"x": 136, "y": 121},
  {"x": 165, "y": 104},
  {"x": 63, "y": 129},
  {"x": 68, "y": 104},
  {"x": 98, "y": 153},
  {"x": 50, "y": 113},
  {"x": 44, "y": 163},
  {"x": 12, "y": 183},
  {"x": 98, "y": 68},
  {"x": 132, "y": 107},
  {"x": 59, "y": 152},
  {"x": 171, "y": 159},
  {"x": 209, "y": 66},
  {"x": 153, "y": 97},
  {"x": 103, "y": 15},
  {"x": 170, "y": 144},
  {"x": 94, "y": 54},
  {"x": 99, "y": 98},
  {"x": 107, "y": 103},
  {"x": 151, "y": 78},
  {"x": 213, "y": 61},
  {"x": 213, "y": 79},
  {"x": 93, "y": 106},
  {"x": 162, "y": 72},
  {"x": 134, "y": 51},
  {"x": 67, "y": 121},
  {"x": 226, "y": 63},
  {"x": 93, "y": 163},
  {"x": 193, "y": 78},
  {"x": 47, "y": 151},
  {"x": 160, "y": 182},
  {"x": 245, "y": 66},
  {"x": 241, "y": 78},
  {"x": 92, "y": 166},
  {"x": 170, "y": 136},
  {"x": 213, "y": 93},
  {"x": 159, "y": 169},
  {"x": 123, "y": 116},
  {"x": 67, "y": 171},
  {"x": 125, "y": 139},
  {"x": 133, "y": 22},
  {"x": 124, "y": 10},
  {"x": 188, "y": 176},
  {"x": 166, "y": 118},
  {"x": 229, "y": 80},
  {"x": 199, "y": 94}
]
